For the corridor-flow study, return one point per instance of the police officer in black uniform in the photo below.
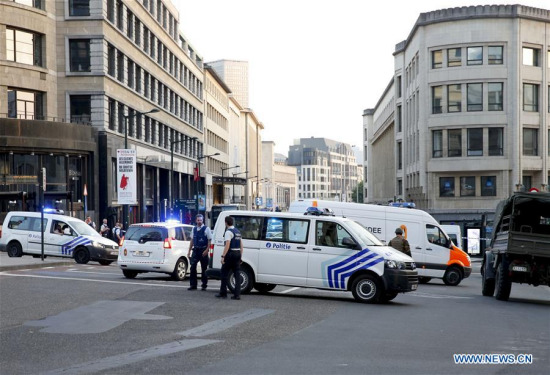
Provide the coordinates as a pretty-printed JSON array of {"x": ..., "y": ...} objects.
[
  {"x": 231, "y": 259},
  {"x": 200, "y": 243}
]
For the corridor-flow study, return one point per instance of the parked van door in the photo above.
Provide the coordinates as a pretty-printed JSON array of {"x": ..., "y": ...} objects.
[
  {"x": 436, "y": 252},
  {"x": 332, "y": 257},
  {"x": 283, "y": 256}
]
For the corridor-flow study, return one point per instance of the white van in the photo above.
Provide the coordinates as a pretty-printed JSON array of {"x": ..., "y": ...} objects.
[
  {"x": 324, "y": 252},
  {"x": 64, "y": 236},
  {"x": 434, "y": 254},
  {"x": 454, "y": 233}
]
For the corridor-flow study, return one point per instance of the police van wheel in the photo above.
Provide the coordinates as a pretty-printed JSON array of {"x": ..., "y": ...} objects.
[
  {"x": 14, "y": 250},
  {"x": 264, "y": 288},
  {"x": 104, "y": 262},
  {"x": 180, "y": 270},
  {"x": 366, "y": 289},
  {"x": 246, "y": 281},
  {"x": 424, "y": 280},
  {"x": 388, "y": 297},
  {"x": 81, "y": 256},
  {"x": 452, "y": 276},
  {"x": 129, "y": 274}
]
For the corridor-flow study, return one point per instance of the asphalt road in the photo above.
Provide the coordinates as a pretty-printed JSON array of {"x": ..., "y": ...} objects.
[{"x": 90, "y": 319}]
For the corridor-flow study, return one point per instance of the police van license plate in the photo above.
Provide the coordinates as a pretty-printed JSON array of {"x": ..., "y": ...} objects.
[
  {"x": 114, "y": 252},
  {"x": 414, "y": 287},
  {"x": 141, "y": 253}
]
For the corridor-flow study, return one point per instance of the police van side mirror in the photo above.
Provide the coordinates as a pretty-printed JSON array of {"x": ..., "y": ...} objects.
[{"x": 348, "y": 242}]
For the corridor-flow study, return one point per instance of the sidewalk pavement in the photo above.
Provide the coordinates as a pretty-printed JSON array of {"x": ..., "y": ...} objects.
[{"x": 28, "y": 261}]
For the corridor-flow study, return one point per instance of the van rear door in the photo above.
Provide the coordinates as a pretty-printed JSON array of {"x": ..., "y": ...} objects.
[{"x": 145, "y": 244}]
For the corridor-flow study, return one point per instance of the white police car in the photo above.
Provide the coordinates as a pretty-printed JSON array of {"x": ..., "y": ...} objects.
[
  {"x": 155, "y": 247},
  {"x": 64, "y": 236}
]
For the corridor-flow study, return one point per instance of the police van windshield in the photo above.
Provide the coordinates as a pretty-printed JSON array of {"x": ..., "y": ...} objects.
[
  {"x": 364, "y": 235},
  {"x": 83, "y": 229}
]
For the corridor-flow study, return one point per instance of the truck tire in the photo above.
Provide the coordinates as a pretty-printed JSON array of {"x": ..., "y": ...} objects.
[
  {"x": 366, "y": 289},
  {"x": 14, "y": 250},
  {"x": 453, "y": 276},
  {"x": 487, "y": 284},
  {"x": 247, "y": 280},
  {"x": 503, "y": 284}
]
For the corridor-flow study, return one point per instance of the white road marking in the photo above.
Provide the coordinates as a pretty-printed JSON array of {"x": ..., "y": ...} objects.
[
  {"x": 288, "y": 290},
  {"x": 220, "y": 325},
  {"x": 107, "y": 363},
  {"x": 46, "y": 268},
  {"x": 427, "y": 295},
  {"x": 99, "y": 273}
]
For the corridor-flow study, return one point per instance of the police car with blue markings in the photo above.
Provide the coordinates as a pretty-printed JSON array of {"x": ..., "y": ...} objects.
[
  {"x": 314, "y": 250},
  {"x": 64, "y": 236}
]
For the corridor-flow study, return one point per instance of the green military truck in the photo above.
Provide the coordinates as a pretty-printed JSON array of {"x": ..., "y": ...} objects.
[{"x": 520, "y": 248}]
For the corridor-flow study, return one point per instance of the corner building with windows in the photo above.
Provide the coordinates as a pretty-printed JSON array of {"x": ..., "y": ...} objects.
[
  {"x": 464, "y": 121},
  {"x": 81, "y": 74}
]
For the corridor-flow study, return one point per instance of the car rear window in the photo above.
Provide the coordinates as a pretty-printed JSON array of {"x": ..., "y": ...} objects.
[{"x": 151, "y": 233}]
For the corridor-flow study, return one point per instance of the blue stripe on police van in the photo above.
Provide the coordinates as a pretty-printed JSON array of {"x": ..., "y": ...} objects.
[
  {"x": 333, "y": 267},
  {"x": 327, "y": 263},
  {"x": 364, "y": 267},
  {"x": 350, "y": 266},
  {"x": 68, "y": 248}
]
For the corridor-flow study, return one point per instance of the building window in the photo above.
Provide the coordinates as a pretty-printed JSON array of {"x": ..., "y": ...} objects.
[
  {"x": 120, "y": 15},
  {"x": 398, "y": 86},
  {"x": 138, "y": 79},
  {"x": 437, "y": 143},
  {"x": 23, "y": 47},
  {"x": 112, "y": 114},
  {"x": 530, "y": 97},
  {"x": 111, "y": 10},
  {"x": 32, "y": 3},
  {"x": 79, "y": 8},
  {"x": 531, "y": 56},
  {"x": 527, "y": 182},
  {"x": 399, "y": 155},
  {"x": 437, "y": 59},
  {"x": 81, "y": 109},
  {"x": 446, "y": 186},
  {"x": 398, "y": 119},
  {"x": 454, "y": 98},
  {"x": 111, "y": 56},
  {"x": 530, "y": 142},
  {"x": 454, "y": 57},
  {"x": 120, "y": 66},
  {"x": 475, "y": 142},
  {"x": 129, "y": 24},
  {"x": 437, "y": 98},
  {"x": 495, "y": 96},
  {"x": 455, "y": 142},
  {"x": 488, "y": 186},
  {"x": 496, "y": 142},
  {"x": 25, "y": 104},
  {"x": 495, "y": 55},
  {"x": 468, "y": 186},
  {"x": 475, "y": 55},
  {"x": 475, "y": 97},
  {"x": 79, "y": 51},
  {"x": 131, "y": 78}
]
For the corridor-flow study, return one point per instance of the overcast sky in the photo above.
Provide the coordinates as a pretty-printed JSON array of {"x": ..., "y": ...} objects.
[{"x": 314, "y": 65}]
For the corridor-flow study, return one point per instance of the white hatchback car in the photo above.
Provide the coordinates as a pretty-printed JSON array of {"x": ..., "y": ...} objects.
[{"x": 155, "y": 247}]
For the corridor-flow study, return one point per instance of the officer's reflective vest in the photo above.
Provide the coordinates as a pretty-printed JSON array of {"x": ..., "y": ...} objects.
[
  {"x": 236, "y": 240},
  {"x": 200, "y": 241}
]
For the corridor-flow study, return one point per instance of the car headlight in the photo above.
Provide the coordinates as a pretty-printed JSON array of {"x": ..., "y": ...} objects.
[
  {"x": 97, "y": 244},
  {"x": 393, "y": 264}
]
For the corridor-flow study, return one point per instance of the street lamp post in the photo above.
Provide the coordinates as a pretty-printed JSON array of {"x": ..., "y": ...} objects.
[
  {"x": 233, "y": 196},
  {"x": 126, "y": 219},
  {"x": 223, "y": 188},
  {"x": 199, "y": 178},
  {"x": 172, "y": 143}
]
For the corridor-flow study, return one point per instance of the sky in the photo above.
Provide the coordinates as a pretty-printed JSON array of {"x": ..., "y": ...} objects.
[{"x": 314, "y": 65}]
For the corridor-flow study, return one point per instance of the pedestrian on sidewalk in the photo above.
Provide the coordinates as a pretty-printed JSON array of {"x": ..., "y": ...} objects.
[
  {"x": 231, "y": 259},
  {"x": 201, "y": 237},
  {"x": 90, "y": 222},
  {"x": 104, "y": 230}
]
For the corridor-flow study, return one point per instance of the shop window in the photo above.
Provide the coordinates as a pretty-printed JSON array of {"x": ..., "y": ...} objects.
[
  {"x": 488, "y": 186},
  {"x": 467, "y": 186}
]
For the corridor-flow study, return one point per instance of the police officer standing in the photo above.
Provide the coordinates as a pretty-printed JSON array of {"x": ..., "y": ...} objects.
[
  {"x": 201, "y": 236},
  {"x": 399, "y": 243},
  {"x": 231, "y": 259}
]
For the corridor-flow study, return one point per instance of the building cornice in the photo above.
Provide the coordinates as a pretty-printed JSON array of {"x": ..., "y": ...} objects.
[{"x": 474, "y": 12}]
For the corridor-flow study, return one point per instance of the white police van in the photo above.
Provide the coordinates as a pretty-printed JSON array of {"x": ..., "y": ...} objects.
[
  {"x": 64, "y": 236},
  {"x": 323, "y": 252}
]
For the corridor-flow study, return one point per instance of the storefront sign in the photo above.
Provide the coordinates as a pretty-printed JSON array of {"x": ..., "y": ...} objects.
[{"x": 126, "y": 176}]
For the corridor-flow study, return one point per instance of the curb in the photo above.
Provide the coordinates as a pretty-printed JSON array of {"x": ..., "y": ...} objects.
[{"x": 34, "y": 266}]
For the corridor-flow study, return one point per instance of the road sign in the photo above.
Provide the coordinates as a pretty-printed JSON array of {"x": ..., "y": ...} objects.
[
  {"x": 269, "y": 202},
  {"x": 259, "y": 201}
]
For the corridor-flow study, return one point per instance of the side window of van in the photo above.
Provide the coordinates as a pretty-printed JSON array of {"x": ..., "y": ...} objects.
[
  {"x": 19, "y": 222},
  {"x": 287, "y": 230},
  {"x": 187, "y": 232},
  {"x": 435, "y": 235},
  {"x": 36, "y": 227},
  {"x": 179, "y": 234},
  {"x": 331, "y": 234},
  {"x": 249, "y": 226}
]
